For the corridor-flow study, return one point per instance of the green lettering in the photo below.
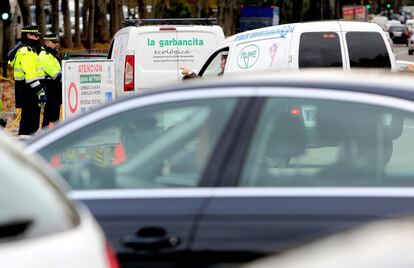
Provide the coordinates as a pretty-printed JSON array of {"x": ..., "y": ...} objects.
[{"x": 150, "y": 42}]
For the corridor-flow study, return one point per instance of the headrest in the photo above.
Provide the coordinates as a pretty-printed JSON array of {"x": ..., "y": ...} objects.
[{"x": 288, "y": 136}]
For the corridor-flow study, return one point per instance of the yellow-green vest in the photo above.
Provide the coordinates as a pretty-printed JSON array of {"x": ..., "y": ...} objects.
[
  {"x": 27, "y": 66},
  {"x": 50, "y": 64}
]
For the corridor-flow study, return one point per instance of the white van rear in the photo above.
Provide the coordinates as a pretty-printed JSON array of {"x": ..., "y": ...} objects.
[
  {"x": 146, "y": 57},
  {"x": 324, "y": 44}
]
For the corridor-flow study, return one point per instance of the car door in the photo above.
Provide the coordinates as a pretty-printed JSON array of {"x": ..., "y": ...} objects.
[
  {"x": 306, "y": 173},
  {"x": 139, "y": 170}
]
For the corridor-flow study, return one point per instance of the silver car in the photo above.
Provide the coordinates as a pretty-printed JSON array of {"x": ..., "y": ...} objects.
[{"x": 39, "y": 226}]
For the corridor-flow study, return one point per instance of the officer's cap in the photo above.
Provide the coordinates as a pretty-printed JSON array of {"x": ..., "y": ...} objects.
[
  {"x": 51, "y": 37},
  {"x": 31, "y": 29}
]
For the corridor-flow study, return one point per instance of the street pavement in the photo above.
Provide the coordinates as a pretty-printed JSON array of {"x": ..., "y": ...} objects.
[{"x": 401, "y": 51}]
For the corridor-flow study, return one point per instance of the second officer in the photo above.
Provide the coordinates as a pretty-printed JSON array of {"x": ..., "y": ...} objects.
[{"x": 51, "y": 63}]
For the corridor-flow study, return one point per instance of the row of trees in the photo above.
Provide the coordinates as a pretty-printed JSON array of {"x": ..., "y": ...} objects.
[{"x": 98, "y": 20}]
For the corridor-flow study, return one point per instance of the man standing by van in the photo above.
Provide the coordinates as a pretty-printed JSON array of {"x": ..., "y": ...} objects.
[
  {"x": 51, "y": 63},
  {"x": 28, "y": 73}
]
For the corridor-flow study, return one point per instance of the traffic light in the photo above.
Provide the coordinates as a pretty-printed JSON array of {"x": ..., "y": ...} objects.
[
  {"x": 5, "y": 15},
  {"x": 388, "y": 5},
  {"x": 368, "y": 6}
]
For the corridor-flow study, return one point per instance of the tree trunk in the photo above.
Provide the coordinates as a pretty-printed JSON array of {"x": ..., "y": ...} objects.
[
  {"x": 77, "y": 28},
  {"x": 85, "y": 19},
  {"x": 159, "y": 8},
  {"x": 101, "y": 23},
  {"x": 5, "y": 40},
  {"x": 327, "y": 10},
  {"x": 91, "y": 24},
  {"x": 297, "y": 10},
  {"x": 226, "y": 11},
  {"x": 67, "y": 35},
  {"x": 142, "y": 11},
  {"x": 313, "y": 12},
  {"x": 116, "y": 16},
  {"x": 199, "y": 8},
  {"x": 40, "y": 15},
  {"x": 203, "y": 9},
  {"x": 55, "y": 16},
  {"x": 25, "y": 10}
]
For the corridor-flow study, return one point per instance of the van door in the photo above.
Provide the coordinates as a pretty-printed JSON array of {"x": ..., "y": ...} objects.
[
  {"x": 117, "y": 53},
  {"x": 156, "y": 57},
  {"x": 366, "y": 50}
]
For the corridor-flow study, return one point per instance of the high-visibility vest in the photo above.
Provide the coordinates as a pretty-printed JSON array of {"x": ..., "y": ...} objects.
[
  {"x": 27, "y": 66},
  {"x": 50, "y": 64}
]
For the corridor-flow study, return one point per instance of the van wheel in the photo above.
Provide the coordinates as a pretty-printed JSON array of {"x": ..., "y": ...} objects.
[{"x": 410, "y": 52}]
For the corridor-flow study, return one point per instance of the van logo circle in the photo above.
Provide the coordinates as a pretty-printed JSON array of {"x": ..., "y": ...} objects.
[{"x": 248, "y": 56}]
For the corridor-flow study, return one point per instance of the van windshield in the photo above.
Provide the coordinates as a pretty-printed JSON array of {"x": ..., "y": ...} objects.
[
  {"x": 319, "y": 49},
  {"x": 367, "y": 50}
]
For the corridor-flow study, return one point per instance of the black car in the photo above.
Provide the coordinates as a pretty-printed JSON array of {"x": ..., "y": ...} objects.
[
  {"x": 216, "y": 174},
  {"x": 399, "y": 34}
]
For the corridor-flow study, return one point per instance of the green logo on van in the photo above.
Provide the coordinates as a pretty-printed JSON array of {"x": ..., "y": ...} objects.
[{"x": 248, "y": 56}]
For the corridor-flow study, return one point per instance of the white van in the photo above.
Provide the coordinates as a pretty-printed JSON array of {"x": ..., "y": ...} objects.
[
  {"x": 146, "y": 56},
  {"x": 340, "y": 44}
]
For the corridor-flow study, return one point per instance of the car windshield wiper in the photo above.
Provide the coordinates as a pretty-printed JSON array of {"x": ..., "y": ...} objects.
[{"x": 14, "y": 227}]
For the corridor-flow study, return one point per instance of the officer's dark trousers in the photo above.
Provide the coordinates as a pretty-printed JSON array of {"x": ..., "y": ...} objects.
[
  {"x": 51, "y": 114},
  {"x": 54, "y": 99},
  {"x": 29, "y": 122}
]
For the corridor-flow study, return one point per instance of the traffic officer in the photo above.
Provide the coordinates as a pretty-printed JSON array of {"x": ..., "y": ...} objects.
[
  {"x": 51, "y": 63},
  {"x": 28, "y": 73}
]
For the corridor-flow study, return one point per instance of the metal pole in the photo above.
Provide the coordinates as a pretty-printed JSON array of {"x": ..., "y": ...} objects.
[{"x": 4, "y": 51}]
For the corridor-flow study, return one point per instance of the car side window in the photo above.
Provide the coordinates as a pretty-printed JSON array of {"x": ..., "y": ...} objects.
[
  {"x": 367, "y": 50},
  {"x": 159, "y": 146},
  {"x": 300, "y": 143}
]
